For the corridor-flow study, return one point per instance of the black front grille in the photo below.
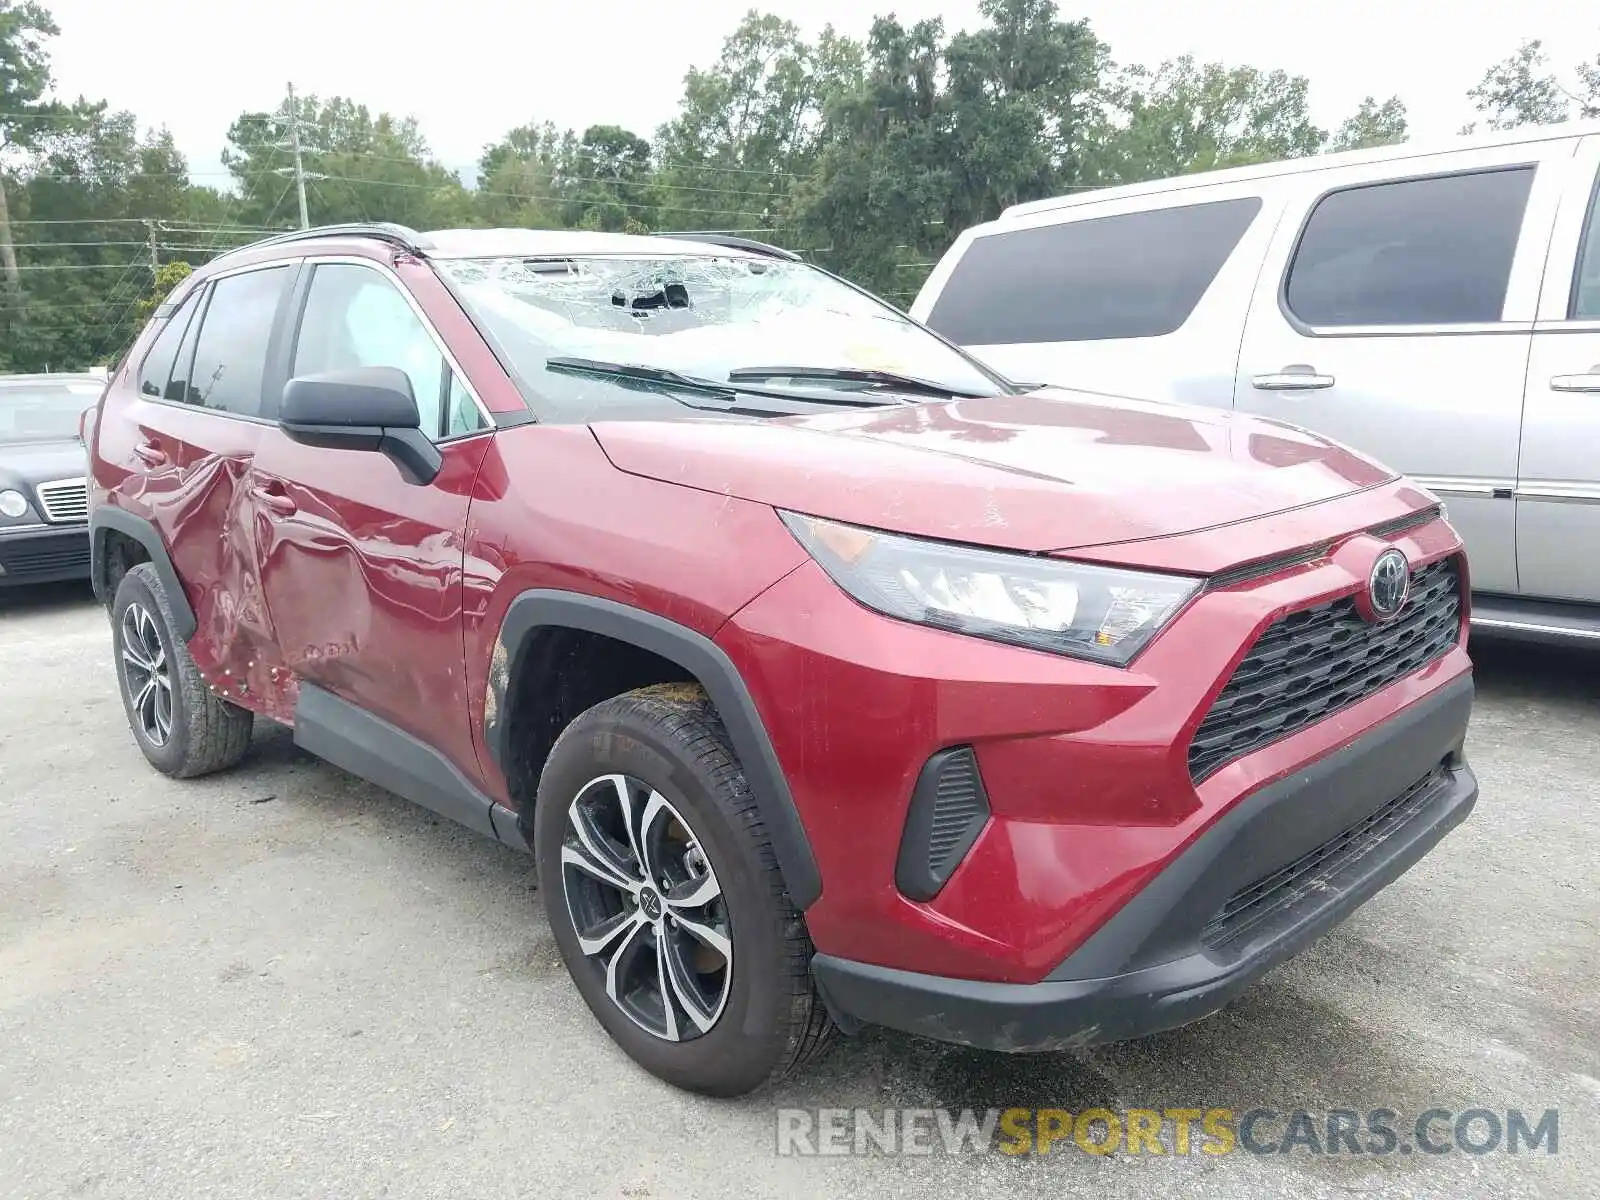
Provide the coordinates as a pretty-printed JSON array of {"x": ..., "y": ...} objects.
[
  {"x": 1277, "y": 899},
  {"x": 1310, "y": 664}
]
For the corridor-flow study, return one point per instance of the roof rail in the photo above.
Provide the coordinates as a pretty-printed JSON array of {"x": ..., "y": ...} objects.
[
  {"x": 384, "y": 231},
  {"x": 734, "y": 243}
]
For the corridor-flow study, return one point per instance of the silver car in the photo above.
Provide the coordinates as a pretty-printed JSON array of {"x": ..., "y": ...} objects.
[{"x": 1435, "y": 306}]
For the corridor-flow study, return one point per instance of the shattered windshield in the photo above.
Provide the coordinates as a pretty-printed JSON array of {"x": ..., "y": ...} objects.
[{"x": 701, "y": 317}]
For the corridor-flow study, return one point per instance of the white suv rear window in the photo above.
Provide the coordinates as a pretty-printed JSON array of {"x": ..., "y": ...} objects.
[{"x": 1129, "y": 276}]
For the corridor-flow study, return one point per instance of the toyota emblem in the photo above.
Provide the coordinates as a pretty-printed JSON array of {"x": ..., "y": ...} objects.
[{"x": 1389, "y": 584}]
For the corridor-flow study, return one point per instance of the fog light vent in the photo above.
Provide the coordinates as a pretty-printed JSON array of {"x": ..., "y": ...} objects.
[{"x": 948, "y": 810}]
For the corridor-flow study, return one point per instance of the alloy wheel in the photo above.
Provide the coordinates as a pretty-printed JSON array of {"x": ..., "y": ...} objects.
[
  {"x": 146, "y": 674},
  {"x": 647, "y": 907}
]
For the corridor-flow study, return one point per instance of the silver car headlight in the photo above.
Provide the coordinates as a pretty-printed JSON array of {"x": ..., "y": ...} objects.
[
  {"x": 12, "y": 503},
  {"x": 1104, "y": 614}
]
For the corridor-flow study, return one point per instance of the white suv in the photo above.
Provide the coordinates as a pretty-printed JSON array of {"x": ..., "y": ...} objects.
[{"x": 1437, "y": 307}]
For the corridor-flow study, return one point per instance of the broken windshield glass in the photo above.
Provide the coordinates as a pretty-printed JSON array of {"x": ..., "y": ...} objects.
[{"x": 705, "y": 316}]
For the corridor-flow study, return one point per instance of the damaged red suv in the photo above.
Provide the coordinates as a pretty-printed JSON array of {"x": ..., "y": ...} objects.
[{"x": 829, "y": 677}]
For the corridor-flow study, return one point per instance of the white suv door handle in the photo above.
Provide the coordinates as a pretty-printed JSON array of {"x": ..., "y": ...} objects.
[
  {"x": 1297, "y": 377},
  {"x": 1589, "y": 381}
]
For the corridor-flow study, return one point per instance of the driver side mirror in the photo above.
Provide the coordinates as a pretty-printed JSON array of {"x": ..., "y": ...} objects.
[{"x": 363, "y": 408}]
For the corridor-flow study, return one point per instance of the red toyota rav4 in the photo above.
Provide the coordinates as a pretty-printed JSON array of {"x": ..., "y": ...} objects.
[{"x": 829, "y": 677}]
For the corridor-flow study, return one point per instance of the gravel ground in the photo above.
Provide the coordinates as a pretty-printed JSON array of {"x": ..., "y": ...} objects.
[{"x": 285, "y": 982}]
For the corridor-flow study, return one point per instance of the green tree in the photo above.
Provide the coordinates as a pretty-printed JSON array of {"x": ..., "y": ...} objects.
[
  {"x": 361, "y": 166},
  {"x": 518, "y": 177},
  {"x": 876, "y": 202},
  {"x": 1024, "y": 108},
  {"x": 97, "y": 202},
  {"x": 1185, "y": 117},
  {"x": 24, "y": 81},
  {"x": 169, "y": 276},
  {"x": 1373, "y": 124},
  {"x": 1522, "y": 89},
  {"x": 749, "y": 126},
  {"x": 607, "y": 181}
]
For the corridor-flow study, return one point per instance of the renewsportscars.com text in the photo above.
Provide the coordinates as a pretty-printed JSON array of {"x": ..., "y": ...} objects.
[{"x": 1177, "y": 1132}]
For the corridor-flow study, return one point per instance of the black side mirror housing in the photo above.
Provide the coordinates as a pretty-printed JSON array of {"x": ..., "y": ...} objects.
[{"x": 362, "y": 408}]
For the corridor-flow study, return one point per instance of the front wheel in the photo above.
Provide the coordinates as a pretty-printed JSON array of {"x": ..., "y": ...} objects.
[{"x": 665, "y": 900}]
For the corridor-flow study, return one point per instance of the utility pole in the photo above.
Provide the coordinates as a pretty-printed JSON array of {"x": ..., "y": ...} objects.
[
  {"x": 155, "y": 258},
  {"x": 299, "y": 167}
]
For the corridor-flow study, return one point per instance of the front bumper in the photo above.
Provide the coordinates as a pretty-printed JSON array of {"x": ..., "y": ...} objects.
[
  {"x": 1279, "y": 869},
  {"x": 43, "y": 554}
]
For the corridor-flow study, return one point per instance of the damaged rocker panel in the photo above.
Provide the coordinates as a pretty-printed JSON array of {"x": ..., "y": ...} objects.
[{"x": 352, "y": 738}]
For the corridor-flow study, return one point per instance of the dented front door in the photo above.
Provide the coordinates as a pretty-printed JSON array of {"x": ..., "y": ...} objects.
[
  {"x": 362, "y": 577},
  {"x": 362, "y": 570}
]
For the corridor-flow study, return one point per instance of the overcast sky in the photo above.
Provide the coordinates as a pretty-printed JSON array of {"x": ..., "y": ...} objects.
[{"x": 470, "y": 69}]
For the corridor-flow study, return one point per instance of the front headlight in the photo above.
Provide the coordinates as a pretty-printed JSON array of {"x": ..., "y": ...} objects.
[
  {"x": 1101, "y": 613},
  {"x": 12, "y": 504}
]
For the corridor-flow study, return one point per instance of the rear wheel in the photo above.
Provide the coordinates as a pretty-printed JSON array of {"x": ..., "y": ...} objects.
[
  {"x": 665, "y": 900},
  {"x": 182, "y": 727}
]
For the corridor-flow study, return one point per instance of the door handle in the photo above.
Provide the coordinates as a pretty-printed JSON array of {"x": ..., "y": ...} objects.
[
  {"x": 278, "y": 503},
  {"x": 1298, "y": 377},
  {"x": 1588, "y": 381},
  {"x": 152, "y": 454}
]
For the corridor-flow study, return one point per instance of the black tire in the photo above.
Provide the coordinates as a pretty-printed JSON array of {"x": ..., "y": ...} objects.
[
  {"x": 204, "y": 733},
  {"x": 670, "y": 739}
]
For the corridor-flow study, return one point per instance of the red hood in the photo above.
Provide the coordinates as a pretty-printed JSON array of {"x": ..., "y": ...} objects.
[{"x": 1051, "y": 470}]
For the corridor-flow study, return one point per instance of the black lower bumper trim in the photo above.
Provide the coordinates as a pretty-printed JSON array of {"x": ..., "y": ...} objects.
[
  {"x": 44, "y": 556},
  {"x": 1078, "y": 1006}
]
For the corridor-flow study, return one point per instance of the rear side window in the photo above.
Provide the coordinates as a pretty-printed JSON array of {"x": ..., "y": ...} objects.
[
  {"x": 1416, "y": 252},
  {"x": 230, "y": 359},
  {"x": 1586, "y": 283},
  {"x": 1129, "y": 276},
  {"x": 156, "y": 370}
]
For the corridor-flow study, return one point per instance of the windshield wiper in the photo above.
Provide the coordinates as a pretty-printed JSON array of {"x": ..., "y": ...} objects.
[
  {"x": 594, "y": 366},
  {"x": 732, "y": 390},
  {"x": 890, "y": 379}
]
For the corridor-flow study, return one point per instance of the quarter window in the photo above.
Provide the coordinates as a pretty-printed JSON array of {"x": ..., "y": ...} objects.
[
  {"x": 156, "y": 370},
  {"x": 230, "y": 359},
  {"x": 354, "y": 317},
  {"x": 1586, "y": 284},
  {"x": 178, "y": 386},
  {"x": 1129, "y": 276},
  {"x": 1434, "y": 251}
]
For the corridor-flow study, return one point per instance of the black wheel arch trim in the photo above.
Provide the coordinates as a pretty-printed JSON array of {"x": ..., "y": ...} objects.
[
  {"x": 105, "y": 519},
  {"x": 703, "y": 659}
]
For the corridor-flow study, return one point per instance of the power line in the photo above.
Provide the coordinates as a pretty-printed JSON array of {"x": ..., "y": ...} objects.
[
  {"x": 142, "y": 242},
  {"x": 74, "y": 117},
  {"x": 36, "y": 245},
  {"x": 393, "y": 183},
  {"x": 366, "y": 156},
  {"x": 652, "y": 180},
  {"x": 88, "y": 177},
  {"x": 127, "y": 221},
  {"x": 45, "y": 306},
  {"x": 78, "y": 267}
]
